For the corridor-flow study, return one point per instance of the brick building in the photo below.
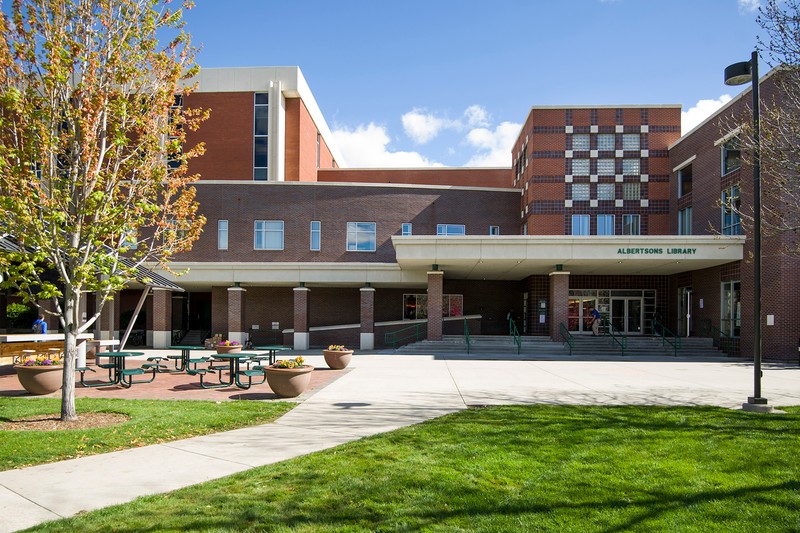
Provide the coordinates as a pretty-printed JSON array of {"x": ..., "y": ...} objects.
[{"x": 603, "y": 206}]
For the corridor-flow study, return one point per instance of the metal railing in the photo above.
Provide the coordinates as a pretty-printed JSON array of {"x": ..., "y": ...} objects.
[
  {"x": 467, "y": 340},
  {"x": 514, "y": 332},
  {"x": 719, "y": 338},
  {"x": 566, "y": 337},
  {"x": 667, "y": 336},
  {"x": 406, "y": 335},
  {"x": 617, "y": 337}
]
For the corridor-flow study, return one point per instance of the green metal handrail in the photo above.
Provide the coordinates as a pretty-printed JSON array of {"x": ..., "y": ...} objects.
[
  {"x": 566, "y": 337},
  {"x": 405, "y": 335},
  {"x": 467, "y": 340},
  {"x": 617, "y": 337},
  {"x": 667, "y": 337},
  {"x": 707, "y": 329},
  {"x": 514, "y": 332}
]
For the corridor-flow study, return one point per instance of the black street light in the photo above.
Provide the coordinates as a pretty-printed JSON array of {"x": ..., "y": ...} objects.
[{"x": 738, "y": 74}]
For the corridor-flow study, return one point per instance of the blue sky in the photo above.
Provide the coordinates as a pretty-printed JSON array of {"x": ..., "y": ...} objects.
[{"x": 449, "y": 82}]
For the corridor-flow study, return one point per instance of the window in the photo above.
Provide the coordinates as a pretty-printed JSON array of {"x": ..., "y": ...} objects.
[
  {"x": 222, "y": 234},
  {"x": 630, "y": 167},
  {"x": 580, "y": 141},
  {"x": 268, "y": 235},
  {"x": 580, "y": 224},
  {"x": 494, "y": 230},
  {"x": 361, "y": 236},
  {"x": 685, "y": 180},
  {"x": 630, "y": 141},
  {"x": 525, "y": 228},
  {"x": 606, "y": 191},
  {"x": 260, "y": 136},
  {"x": 631, "y": 191},
  {"x": 731, "y": 220},
  {"x": 605, "y": 167},
  {"x": 580, "y": 191},
  {"x": 606, "y": 142},
  {"x": 630, "y": 225},
  {"x": 178, "y": 227},
  {"x": 319, "y": 146},
  {"x": 731, "y": 155},
  {"x": 580, "y": 167},
  {"x": 685, "y": 221},
  {"x": 730, "y": 322},
  {"x": 174, "y": 148},
  {"x": 605, "y": 224},
  {"x": 315, "y": 239},
  {"x": 406, "y": 229},
  {"x": 450, "y": 229},
  {"x": 415, "y": 306},
  {"x": 130, "y": 241}
]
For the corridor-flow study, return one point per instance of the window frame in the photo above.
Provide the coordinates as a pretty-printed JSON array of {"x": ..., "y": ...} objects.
[
  {"x": 444, "y": 230},
  {"x": 627, "y": 224},
  {"x": 356, "y": 230},
  {"x": 734, "y": 144},
  {"x": 222, "y": 234},
  {"x": 584, "y": 225},
  {"x": 731, "y": 220},
  {"x": 265, "y": 232},
  {"x": 260, "y": 173},
  {"x": 407, "y": 229},
  {"x": 603, "y": 224},
  {"x": 685, "y": 221},
  {"x": 315, "y": 236}
]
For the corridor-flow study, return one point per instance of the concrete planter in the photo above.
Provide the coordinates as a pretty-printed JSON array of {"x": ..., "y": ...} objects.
[
  {"x": 337, "y": 359},
  {"x": 288, "y": 382},
  {"x": 40, "y": 379},
  {"x": 221, "y": 348}
]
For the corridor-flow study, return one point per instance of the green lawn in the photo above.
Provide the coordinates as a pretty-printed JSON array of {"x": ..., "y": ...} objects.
[
  {"x": 151, "y": 422},
  {"x": 537, "y": 468}
]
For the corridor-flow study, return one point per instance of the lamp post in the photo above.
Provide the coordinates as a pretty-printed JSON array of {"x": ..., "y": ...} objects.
[{"x": 738, "y": 74}]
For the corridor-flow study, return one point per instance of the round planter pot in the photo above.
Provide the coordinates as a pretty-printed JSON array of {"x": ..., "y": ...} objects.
[
  {"x": 40, "y": 379},
  {"x": 228, "y": 349},
  {"x": 289, "y": 382},
  {"x": 337, "y": 359}
]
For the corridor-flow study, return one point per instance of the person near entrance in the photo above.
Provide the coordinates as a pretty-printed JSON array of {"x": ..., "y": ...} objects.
[{"x": 594, "y": 316}]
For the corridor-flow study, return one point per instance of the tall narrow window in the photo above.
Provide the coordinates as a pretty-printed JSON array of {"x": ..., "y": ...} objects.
[
  {"x": 605, "y": 224},
  {"x": 174, "y": 148},
  {"x": 685, "y": 221},
  {"x": 222, "y": 235},
  {"x": 260, "y": 136},
  {"x": 316, "y": 236},
  {"x": 268, "y": 235},
  {"x": 730, "y": 322},
  {"x": 685, "y": 180},
  {"x": 580, "y": 224},
  {"x": 731, "y": 219},
  {"x": 630, "y": 225},
  {"x": 731, "y": 155},
  {"x": 319, "y": 149},
  {"x": 407, "y": 229}
]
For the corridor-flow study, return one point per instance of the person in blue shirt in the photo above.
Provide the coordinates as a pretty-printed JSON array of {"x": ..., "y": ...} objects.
[
  {"x": 594, "y": 314},
  {"x": 40, "y": 326}
]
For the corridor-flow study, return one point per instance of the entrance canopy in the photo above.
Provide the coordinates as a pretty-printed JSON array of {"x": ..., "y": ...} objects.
[{"x": 514, "y": 257}]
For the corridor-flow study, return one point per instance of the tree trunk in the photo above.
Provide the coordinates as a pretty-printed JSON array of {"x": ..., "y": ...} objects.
[{"x": 70, "y": 323}]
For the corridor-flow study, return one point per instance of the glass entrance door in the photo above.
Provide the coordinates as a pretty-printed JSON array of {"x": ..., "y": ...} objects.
[
  {"x": 627, "y": 315},
  {"x": 579, "y": 314},
  {"x": 685, "y": 312}
]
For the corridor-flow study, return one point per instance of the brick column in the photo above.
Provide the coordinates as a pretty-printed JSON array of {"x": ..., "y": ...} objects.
[
  {"x": 302, "y": 297},
  {"x": 435, "y": 290},
  {"x": 161, "y": 316},
  {"x": 367, "y": 318},
  {"x": 559, "y": 303},
  {"x": 236, "y": 304}
]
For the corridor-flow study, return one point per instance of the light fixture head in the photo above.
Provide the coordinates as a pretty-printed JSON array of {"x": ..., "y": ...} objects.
[{"x": 738, "y": 73}]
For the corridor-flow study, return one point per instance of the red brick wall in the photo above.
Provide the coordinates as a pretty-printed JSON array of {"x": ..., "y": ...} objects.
[{"x": 463, "y": 177}]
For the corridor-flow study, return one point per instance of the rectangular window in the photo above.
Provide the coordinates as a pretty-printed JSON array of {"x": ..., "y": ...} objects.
[
  {"x": 260, "y": 136},
  {"x": 580, "y": 167},
  {"x": 222, "y": 234},
  {"x": 685, "y": 180},
  {"x": 630, "y": 141},
  {"x": 494, "y": 230},
  {"x": 268, "y": 235},
  {"x": 580, "y": 224},
  {"x": 174, "y": 147},
  {"x": 731, "y": 219},
  {"x": 606, "y": 142},
  {"x": 525, "y": 228},
  {"x": 630, "y": 225},
  {"x": 605, "y": 167},
  {"x": 631, "y": 191},
  {"x": 450, "y": 229},
  {"x": 316, "y": 236},
  {"x": 731, "y": 318},
  {"x": 361, "y": 236},
  {"x": 606, "y": 191},
  {"x": 415, "y": 306},
  {"x": 731, "y": 155},
  {"x": 685, "y": 221},
  {"x": 319, "y": 149},
  {"x": 605, "y": 224},
  {"x": 580, "y": 191},
  {"x": 580, "y": 141},
  {"x": 406, "y": 229},
  {"x": 630, "y": 167}
]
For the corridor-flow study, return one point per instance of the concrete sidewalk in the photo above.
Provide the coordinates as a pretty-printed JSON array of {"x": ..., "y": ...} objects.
[{"x": 381, "y": 393}]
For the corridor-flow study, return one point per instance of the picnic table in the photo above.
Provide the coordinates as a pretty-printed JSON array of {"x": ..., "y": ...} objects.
[
  {"x": 182, "y": 361},
  {"x": 272, "y": 350},
  {"x": 235, "y": 372},
  {"x": 118, "y": 374}
]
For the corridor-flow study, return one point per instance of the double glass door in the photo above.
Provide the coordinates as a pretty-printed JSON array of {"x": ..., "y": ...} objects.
[
  {"x": 627, "y": 315},
  {"x": 579, "y": 314}
]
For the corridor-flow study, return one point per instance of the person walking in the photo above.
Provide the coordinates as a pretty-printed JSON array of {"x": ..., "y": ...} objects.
[
  {"x": 40, "y": 326},
  {"x": 595, "y": 316}
]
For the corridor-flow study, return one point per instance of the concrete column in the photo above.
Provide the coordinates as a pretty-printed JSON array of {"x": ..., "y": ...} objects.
[
  {"x": 559, "y": 303},
  {"x": 435, "y": 294},
  {"x": 302, "y": 298},
  {"x": 367, "y": 318},
  {"x": 236, "y": 305},
  {"x": 104, "y": 326},
  {"x": 162, "y": 318}
]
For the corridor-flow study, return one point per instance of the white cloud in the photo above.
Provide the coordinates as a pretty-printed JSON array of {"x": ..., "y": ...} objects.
[
  {"x": 367, "y": 146},
  {"x": 422, "y": 127},
  {"x": 494, "y": 146},
  {"x": 476, "y": 116},
  {"x": 701, "y": 111},
  {"x": 749, "y": 6}
]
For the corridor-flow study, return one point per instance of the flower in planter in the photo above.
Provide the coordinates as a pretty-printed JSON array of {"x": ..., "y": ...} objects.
[
  {"x": 229, "y": 343},
  {"x": 43, "y": 360},
  {"x": 289, "y": 363},
  {"x": 337, "y": 348}
]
